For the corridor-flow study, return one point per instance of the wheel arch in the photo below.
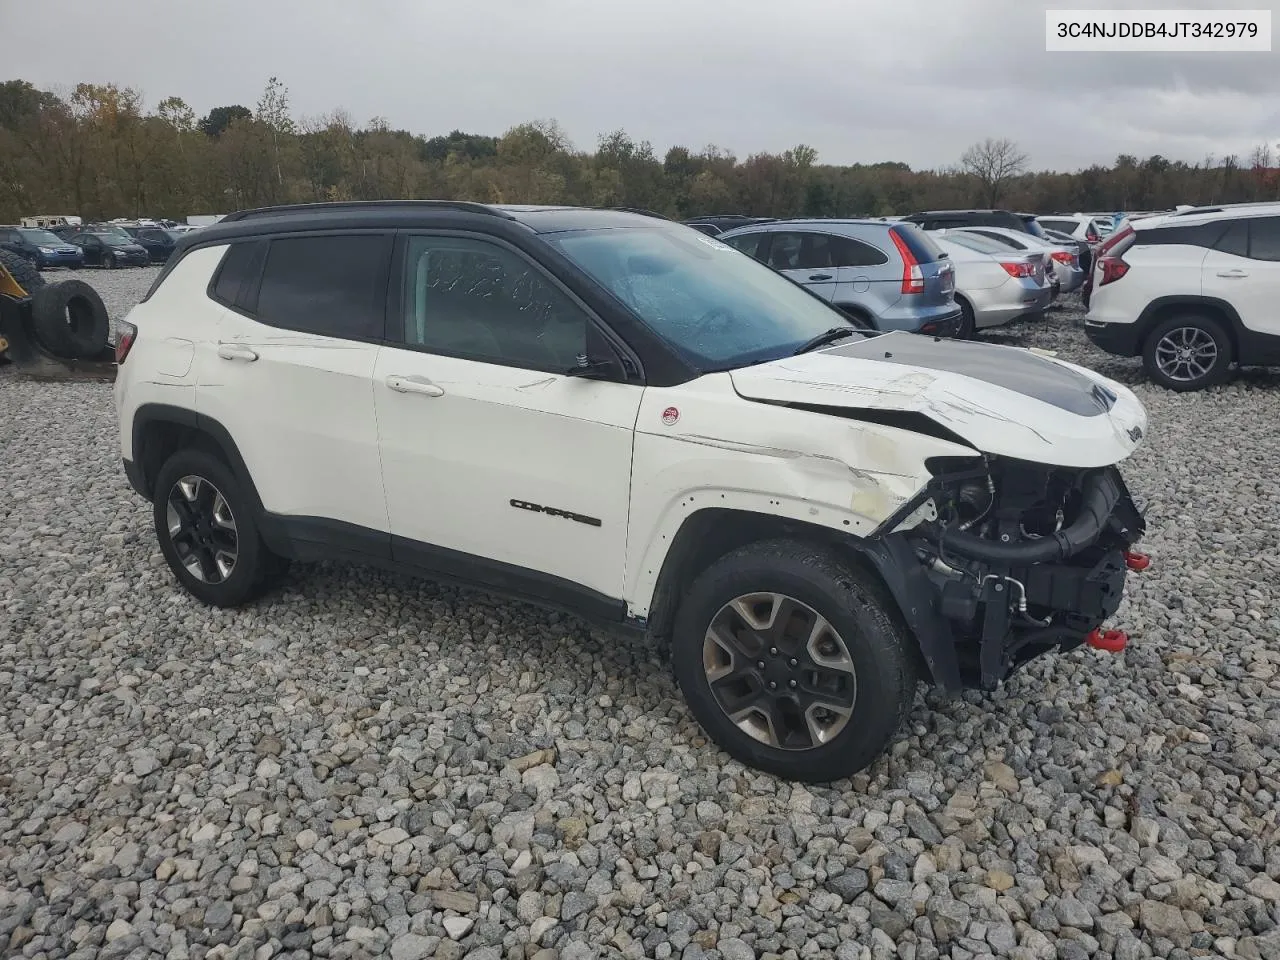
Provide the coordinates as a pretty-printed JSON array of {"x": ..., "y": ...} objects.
[
  {"x": 160, "y": 430},
  {"x": 710, "y": 533},
  {"x": 1162, "y": 308}
]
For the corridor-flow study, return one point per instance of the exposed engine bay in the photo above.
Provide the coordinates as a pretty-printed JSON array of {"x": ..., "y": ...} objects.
[{"x": 1024, "y": 557}]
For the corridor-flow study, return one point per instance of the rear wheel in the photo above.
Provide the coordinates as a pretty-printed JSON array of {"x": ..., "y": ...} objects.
[
  {"x": 967, "y": 324},
  {"x": 207, "y": 530},
  {"x": 1188, "y": 352},
  {"x": 791, "y": 662}
]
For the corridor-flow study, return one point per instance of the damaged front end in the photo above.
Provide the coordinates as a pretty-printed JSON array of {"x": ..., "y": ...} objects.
[{"x": 1017, "y": 559}]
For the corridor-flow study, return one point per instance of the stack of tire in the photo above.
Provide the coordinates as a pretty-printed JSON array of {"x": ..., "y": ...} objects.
[{"x": 68, "y": 319}]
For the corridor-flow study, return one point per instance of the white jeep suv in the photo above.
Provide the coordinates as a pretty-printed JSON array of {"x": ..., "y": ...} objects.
[
  {"x": 611, "y": 413},
  {"x": 1191, "y": 293}
]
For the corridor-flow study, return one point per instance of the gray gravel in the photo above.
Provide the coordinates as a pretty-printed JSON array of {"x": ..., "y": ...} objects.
[{"x": 361, "y": 765}]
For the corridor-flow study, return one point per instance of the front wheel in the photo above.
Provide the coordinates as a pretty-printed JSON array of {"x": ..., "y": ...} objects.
[
  {"x": 1188, "y": 352},
  {"x": 791, "y": 662},
  {"x": 207, "y": 530}
]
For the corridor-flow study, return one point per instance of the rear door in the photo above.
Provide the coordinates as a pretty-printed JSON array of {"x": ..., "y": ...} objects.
[
  {"x": 1244, "y": 270},
  {"x": 291, "y": 379},
  {"x": 805, "y": 257}
]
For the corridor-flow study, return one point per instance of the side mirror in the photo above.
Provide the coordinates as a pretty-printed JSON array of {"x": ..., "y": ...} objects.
[{"x": 596, "y": 368}]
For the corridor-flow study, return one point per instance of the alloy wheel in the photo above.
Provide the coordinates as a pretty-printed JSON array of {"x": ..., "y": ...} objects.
[
  {"x": 779, "y": 671},
  {"x": 202, "y": 529},
  {"x": 1186, "y": 354}
]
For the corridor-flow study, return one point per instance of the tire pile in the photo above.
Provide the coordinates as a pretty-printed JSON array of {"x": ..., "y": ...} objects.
[{"x": 68, "y": 319}]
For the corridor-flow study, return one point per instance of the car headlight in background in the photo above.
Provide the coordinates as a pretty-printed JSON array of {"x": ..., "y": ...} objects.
[{"x": 46, "y": 249}]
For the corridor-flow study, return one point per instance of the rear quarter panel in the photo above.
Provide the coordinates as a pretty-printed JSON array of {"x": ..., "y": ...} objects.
[{"x": 177, "y": 323}]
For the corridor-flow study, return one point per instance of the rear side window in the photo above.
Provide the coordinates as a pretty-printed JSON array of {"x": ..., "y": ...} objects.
[
  {"x": 331, "y": 286},
  {"x": 1235, "y": 240},
  {"x": 918, "y": 242},
  {"x": 239, "y": 263},
  {"x": 1264, "y": 238}
]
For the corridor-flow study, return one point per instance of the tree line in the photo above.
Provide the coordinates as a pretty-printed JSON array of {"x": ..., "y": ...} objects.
[{"x": 98, "y": 151}]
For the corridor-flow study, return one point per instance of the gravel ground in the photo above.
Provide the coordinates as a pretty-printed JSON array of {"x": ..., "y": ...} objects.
[{"x": 361, "y": 765}]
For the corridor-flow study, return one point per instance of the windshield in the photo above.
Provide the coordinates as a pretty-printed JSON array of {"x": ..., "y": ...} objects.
[
  {"x": 1033, "y": 228},
  {"x": 40, "y": 236},
  {"x": 721, "y": 307}
]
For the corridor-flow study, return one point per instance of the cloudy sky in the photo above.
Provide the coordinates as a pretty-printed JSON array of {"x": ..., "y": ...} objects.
[{"x": 860, "y": 80}]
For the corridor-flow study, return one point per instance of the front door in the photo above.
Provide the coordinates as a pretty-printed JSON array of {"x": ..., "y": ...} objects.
[
  {"x": 497, "y": 466},
  {"x": 1244, "y": 270}
]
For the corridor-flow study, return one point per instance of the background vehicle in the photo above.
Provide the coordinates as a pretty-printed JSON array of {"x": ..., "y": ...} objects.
[
  {"x": 765, "y": 489},
  {"x": 1084, "y": 250},
  {"x": 41, "y": 247},
  {"x": 715, "y": 225},
  {"x": 1191, "y": 293},
  {"x": 885, "y": 276},
  {"x": 952, "y": 219},
  {"x": 157, "y": 241},
  {"x": 47, "y": 222},
  {"x": 110, "y": 250},
  {"x": 1066, "y": 262},
  {"x": 993, "y": 289},
  {"x": 1078, "y": 225}
]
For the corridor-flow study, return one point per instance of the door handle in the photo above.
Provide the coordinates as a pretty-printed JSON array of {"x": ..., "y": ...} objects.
[
  {"x": 820, "y": 276},
  {"x": 414, "y": 385},
  {"x": 236, "y": 351},
  {"x": 1233, "y": 273}
]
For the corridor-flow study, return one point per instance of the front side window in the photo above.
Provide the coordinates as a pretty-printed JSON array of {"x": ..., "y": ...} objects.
[
  {"x": 479, "y": 301},
  {"x": 722, "y": 311},
  {"x": 325, "y": 285}
]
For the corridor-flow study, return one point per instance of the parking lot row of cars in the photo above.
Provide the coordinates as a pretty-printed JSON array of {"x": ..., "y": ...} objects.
[
  {"x": 946, "y": 273},
  {"x": 108, "y": 245}
]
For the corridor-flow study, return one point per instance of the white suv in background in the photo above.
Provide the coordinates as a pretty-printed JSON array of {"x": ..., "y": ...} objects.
[
  {"x": 1191, "y": 293},
  {"x": 1078, "y": 225}
]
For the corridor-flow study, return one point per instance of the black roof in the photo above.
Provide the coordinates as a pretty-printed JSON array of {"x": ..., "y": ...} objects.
[
  {"x": 384, "y": 214},
  {"x": 945, "y": 213}
]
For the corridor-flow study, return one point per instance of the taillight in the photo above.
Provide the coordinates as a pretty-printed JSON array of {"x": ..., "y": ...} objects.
[
  {"x": 1062, "y": 256},
  {"x": 1112, "y": 268},
  {"x": 912, "y": 275},
  {"x": 1017, "y": 268},
  {"x": 128, "y": 334}
]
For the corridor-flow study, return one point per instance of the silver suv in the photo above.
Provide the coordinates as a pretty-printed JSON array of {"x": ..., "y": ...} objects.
[{"x": 884, "y": 276}]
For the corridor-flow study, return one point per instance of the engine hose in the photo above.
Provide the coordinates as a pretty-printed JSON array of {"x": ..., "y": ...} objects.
[{"x": 1101, "y": 493}]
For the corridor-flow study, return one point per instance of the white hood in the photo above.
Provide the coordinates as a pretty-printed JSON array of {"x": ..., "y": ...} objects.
[{"x": 1005, "y": 401}]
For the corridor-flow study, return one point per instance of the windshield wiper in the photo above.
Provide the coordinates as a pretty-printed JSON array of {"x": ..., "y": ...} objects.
[{"x": 822, "y": 339}]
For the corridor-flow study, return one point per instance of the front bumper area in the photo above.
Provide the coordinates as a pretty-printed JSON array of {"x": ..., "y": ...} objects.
[{"x": 982, "y": 607}]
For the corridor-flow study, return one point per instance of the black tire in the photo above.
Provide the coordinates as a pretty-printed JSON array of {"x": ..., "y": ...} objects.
[
  {"x": 252, "y": 563},
  {"x": 1199, "y": 333},
  {"x": 23, "y": 271},
  {"x": 71, "y": 320},
  {"x": 968, "y": 326},
  {"x": 816, "y": 581}
]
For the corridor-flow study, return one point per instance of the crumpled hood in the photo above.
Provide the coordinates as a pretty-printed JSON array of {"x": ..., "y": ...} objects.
[{"x": 1006, "y": 401}]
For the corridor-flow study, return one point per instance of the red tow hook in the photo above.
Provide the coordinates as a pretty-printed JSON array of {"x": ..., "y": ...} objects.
[
  {"x": 1112, "y": 641},
  {"x": 1136, "y": 561}
]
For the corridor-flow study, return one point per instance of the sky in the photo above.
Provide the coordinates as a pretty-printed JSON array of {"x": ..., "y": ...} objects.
[{"x": 860, "y": 80}]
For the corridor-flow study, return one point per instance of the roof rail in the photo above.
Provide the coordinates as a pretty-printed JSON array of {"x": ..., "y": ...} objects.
[
  {"x": 642, "y": 212},
  {"x": 466, "y": 205}
]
